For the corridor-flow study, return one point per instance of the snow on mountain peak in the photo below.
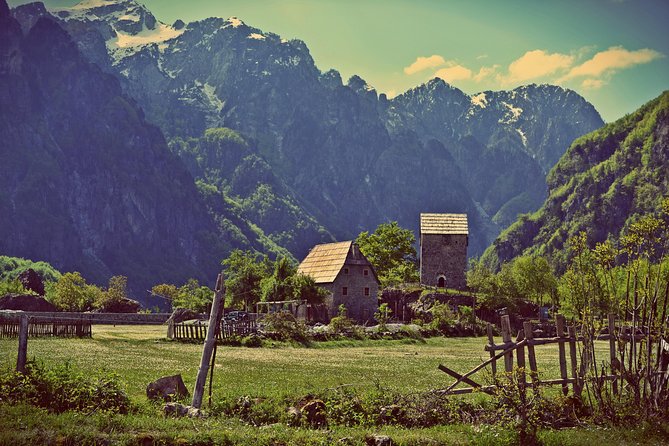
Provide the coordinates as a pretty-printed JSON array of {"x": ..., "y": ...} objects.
[{"x": 480, "y": 100}]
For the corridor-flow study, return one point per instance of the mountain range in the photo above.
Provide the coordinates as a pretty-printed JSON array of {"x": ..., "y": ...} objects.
[
  {"x": 237, "y": 132},
  {"x": 607, "y": 180}
]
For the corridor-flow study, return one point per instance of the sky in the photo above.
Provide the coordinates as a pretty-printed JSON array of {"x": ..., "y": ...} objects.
[{"x": 615, "y": 53}]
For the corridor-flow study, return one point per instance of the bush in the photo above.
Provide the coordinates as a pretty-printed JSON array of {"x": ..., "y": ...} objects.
[
  {"x": 283, "y": 326},
  {"x": 61, "y": 389},
  {"x": 252, "y": 341}
]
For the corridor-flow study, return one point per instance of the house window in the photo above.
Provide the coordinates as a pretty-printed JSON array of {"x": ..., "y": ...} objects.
[
  {"x": 366, "y": 291},
  {"x": 345, "y": 270},
  {"x": 365, "y": 272},
  {"x": 344, "y": 291}
]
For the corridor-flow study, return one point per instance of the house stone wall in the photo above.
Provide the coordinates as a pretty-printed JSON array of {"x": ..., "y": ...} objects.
[{"x": 443, "y": 255}]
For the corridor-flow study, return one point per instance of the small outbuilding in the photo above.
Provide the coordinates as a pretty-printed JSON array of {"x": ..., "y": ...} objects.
[
  {"x": 443, "y": 250},
  {"x": 349, "y": 277}
]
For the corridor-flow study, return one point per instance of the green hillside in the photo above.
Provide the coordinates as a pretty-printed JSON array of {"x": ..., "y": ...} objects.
[{"x": 604, "y": 182}]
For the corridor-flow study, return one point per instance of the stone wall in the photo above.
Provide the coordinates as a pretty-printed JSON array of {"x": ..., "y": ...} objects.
[
  {"x": 101, "y": 318},
  {"x": 443, "y": 255},
  {"x": 360, "y": 307}
]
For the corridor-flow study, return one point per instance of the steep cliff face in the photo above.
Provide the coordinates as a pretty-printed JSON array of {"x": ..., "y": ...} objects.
[
  {"x": 85, "y": 182},
  {"x": 603, "y": 183}
]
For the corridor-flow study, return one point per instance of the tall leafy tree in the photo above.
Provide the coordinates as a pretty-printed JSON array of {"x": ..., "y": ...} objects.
[
  {"x": 390, "y": 250},
  {"x": 244, "y": 270}
]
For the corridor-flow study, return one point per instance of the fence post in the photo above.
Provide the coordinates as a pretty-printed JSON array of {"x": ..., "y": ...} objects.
[
  {"x": 612, "y": 350},
  {"x": 520, "y": 358},
  {"x": 506, "y": 337},
  {"x": 574, "y": 359},
  {"x": 491, "y": 343},
  {"x": 23, "y": 344},
  {"x": 209, "y": 343},
  {"x": 559, "y": 326},
  {"x": 529, "y": 336}
]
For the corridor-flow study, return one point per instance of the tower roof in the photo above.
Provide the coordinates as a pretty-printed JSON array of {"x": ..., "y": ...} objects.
[{"x": 444, "y": 224}]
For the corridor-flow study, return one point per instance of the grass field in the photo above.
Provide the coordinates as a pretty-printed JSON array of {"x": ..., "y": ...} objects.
[{"x": 140, "y": 354}]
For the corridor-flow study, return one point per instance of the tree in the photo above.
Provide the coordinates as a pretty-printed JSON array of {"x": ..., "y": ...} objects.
[
  {"x": 72, "y": 293},
  {"x": 244, "y": 270},
  {"x": 167, "y": 291},
  {"x": 117, "y": 291},
  {"x": 382, "y": 316},
  {"x": 390, "y": 250},
  {"x": 305, "y": 288},
  {"x": 279, "y": 286},
  {"x": 194, "y": 297}
]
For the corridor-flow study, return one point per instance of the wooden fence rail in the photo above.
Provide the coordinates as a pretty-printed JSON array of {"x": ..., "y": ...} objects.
[
  {"x": 194, "y": 332},
  {"x": 9, "y": 328},
  {"x": 526, "y": 341}
]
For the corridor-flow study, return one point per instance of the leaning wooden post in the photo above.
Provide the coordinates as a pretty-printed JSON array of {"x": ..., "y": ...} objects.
[
  {"x": 23, "y": 344},
  {"x": 506, "y": 337},
  {"x": 559, "y": 325},
  {"x": 491, "y": 343},
  {"x": 209, "y": 343},
  {"x": 612, "y": 351},
  {"x": 529, "y": 335}
]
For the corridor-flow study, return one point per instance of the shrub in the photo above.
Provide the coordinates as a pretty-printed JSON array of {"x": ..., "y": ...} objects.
[
  {"x": 284, "y": 326},
  {"x": 61, "y": 389},
  {"x": 252, "y": 341}
]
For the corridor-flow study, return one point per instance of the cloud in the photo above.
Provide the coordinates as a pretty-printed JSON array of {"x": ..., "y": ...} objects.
[
  {"x": 485, "y": 72},
  {"x": 535, "y": 64},
  {"x": 608, "y": 61},
  {"x": 454, "y": 73},
  {"x": 592, "y": 84},
  {"x": 423, "y": 63}
]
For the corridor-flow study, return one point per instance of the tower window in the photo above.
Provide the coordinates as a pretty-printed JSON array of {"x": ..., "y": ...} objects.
[
  {"x": 344, "y": 291},
  {"x": 441, "y": 283},
  {"x": 366, "y": 291}
]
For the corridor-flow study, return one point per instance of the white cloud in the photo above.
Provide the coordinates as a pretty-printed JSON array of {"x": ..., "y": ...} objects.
[
  {"x": 485, "y": 72},
  {"x": 536, "y": 64},
  {"x": 423, "y": 63},
  {"x": 608, "y": 61},
  {"x": 454, "y": 73},
  {"x": 592, "y": 84}
]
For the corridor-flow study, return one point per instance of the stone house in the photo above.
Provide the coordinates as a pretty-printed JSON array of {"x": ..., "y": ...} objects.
[
  {"x": 443, "y": 250},
  {"x": 349, "y": 277}
]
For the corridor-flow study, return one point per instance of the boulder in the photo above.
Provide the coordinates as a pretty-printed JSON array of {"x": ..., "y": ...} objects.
[
  {"x": 167, "y": 388},
  {"x": 179, "y": 410},
  {"x": 378, "y": 440},
  {"x": 32, "y": 281},
  {"x": 314, "y": 413},
  {"x": 26, "y": 302}
]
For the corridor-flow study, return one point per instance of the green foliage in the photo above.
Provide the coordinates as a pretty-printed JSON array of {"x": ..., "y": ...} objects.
[
  {"x": 193, "y": 296},
  {"x": 62, "y": 388},
  {"x": 390, "y": 250},
  {"x": 244, "y": 270},
  {"x": 11, "y": 267},
  {"x": 382, "y": 315},
  {"x": 342, "y": 324},
  {"x": 279, "y": 286},
  {"x": 284, "y": 326},
  {"x": 10, "y": 286},
  {"x": 72, "y": 293},
  {"x": 305, "y": 288},
  {"x": 117, "y": 292},
  {"x": 442, "y": 317},
  {"x": 525, "y": 278}
]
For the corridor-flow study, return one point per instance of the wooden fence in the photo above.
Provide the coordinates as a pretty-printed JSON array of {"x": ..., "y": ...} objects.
[
  {"x": 570, "y": 353},
  {"x": 45, "y": 327},
  {"x": 191, "y": 332}
]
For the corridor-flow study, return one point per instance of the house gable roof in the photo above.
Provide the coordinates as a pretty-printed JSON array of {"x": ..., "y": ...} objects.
[
  {"x": 444, "y": 224},
  {"x": 324, "y": 262}
]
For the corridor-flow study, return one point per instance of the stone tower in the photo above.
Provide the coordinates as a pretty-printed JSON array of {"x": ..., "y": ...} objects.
[{"x": 443, "y": 250}]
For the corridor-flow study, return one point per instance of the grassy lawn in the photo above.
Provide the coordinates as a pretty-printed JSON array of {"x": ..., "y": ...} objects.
[{"x": 140, "y": 354}]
